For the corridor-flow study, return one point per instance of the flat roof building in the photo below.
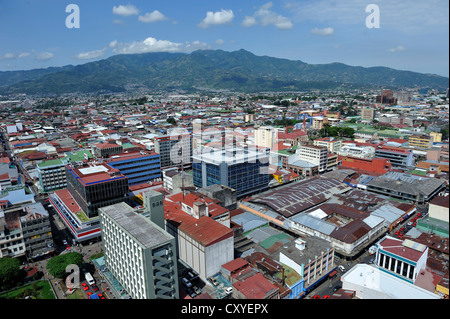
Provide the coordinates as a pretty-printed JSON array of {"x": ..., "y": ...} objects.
[{"x": 140, "y": 255}]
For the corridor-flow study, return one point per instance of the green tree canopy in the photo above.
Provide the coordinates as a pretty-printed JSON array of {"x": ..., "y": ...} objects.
[
  {"x": 10, "y": 272},
  {"x": 58, "y": 264}
]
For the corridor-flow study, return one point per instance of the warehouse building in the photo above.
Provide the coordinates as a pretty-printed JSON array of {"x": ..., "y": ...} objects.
[{"x": 409, "y": 187}]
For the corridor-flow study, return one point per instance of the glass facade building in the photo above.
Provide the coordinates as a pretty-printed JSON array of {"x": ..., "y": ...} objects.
[
  {"x": 138, "y": 168},
  {"x": 246, "y": 171},
  {"x": 96, "y": 188}
]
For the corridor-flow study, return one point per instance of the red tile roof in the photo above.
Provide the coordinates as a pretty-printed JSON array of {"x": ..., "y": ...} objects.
[{"x": 255, "y": 287}]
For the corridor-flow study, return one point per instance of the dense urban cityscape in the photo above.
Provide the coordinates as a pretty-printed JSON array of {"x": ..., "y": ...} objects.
[
  {"x": 223, "y": 195},
  {"x": 191, "y": 155}
]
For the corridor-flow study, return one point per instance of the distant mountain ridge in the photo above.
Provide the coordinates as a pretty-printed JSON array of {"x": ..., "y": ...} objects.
[{"x": 240, "y": 71}]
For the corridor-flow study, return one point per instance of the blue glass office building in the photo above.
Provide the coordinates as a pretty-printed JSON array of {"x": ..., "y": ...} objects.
[
  {"x": 138, "y": 167},
  {"x": 246, "y": 171}
]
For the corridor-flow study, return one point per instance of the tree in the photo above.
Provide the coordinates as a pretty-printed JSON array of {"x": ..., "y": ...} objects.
[
  {"x": 58, "y": 264},
  {"x": 10, "y": 272},
  {"x": 172, "y": 121}
]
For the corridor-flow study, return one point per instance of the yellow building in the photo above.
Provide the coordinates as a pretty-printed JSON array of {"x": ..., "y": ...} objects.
[
  {"x": 420, "y": 141},
  {"x": 437, "y": 137}
]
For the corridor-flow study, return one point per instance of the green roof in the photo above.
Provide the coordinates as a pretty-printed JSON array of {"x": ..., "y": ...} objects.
[
  {"x": 78, "y": 156},
  {"x": 127, "y": 145},
  {"x": 55, "y": 162},
  {"x": 286, "y": 150},
  {"x": 291, "y": 277}
]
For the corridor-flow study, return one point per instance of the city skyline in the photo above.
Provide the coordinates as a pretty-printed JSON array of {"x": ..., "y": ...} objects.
[{"x": 35, "y": 34}]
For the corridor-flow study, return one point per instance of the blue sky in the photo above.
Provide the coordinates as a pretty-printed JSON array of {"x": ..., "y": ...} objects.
[{"x": 413, "y": 35}]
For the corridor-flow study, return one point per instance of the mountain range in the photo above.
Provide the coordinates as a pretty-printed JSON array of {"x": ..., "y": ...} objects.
[{"x": 240, "y": 71}]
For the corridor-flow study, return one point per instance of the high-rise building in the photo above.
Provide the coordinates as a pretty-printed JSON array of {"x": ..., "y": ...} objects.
[
  {"x": 316, "y": 155},
  {"x": 89, "y": 187},
  {"x": 368, "y": 114},
  {"x": 139, "y": 167},
  {"x": 95, "y": 186},
  {"x": 139, "y": 253},
  {"x": 52, "y": 175},
  {"x": 243, "y": 169},
  {"x": 174, "y": 149}
]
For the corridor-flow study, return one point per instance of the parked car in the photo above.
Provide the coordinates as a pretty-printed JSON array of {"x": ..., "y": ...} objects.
[
  {"x": 191, "y": 293},
  {"x": 213, "y": 281},
  {"x": 94, "y": 287},
  {"x": 186, "y": 282},
  {"x": 84, "y": 286},
  {"x": 101, "y": 296}
]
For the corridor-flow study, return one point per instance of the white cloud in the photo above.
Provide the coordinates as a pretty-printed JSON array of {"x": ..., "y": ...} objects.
[
  {"x": 112, "y": 44},
  {"x": 266, "y": 16},
  {"x": 151, "y": 44},
  {"x": 7, "y": 56},
  {"x": 248, "y": 21},
  {"x": 44, "y": 56},
  {"x": 96, "y": 54},
  {"x": 155, "y": 16},
  {"x": 23, "y": 55},
  {"x": 217, "y": 18},
  {"x": 219, "y": 42},
  {"x": 125, "y": 11},
  {"x": 324, "y": 31},
  {"x": 396, "y": 49}
]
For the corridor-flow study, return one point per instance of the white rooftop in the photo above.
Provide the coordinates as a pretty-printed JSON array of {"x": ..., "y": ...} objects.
[{"x": 369, "y": 282}]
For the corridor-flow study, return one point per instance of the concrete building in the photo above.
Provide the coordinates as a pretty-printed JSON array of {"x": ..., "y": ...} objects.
[
  {"x": 354, "y": 150},
  {"x": 311, "y": 257},
  {"x": 318, "y": 122},
  {"x": 12, "y": 243},
  {"x": 25, "y": 231},
  {"x": 205, "y": 244},
  {"x": 438, "y": 208},
  {"x": 397, "y": 157},
  {"x": 369, "y": 282},
  {"x": 103, "y": 150},
  {"x": 315, "y": 155},
  {"x": 421, "y": 141},
  {"x": 52, "y": 175},
  {"x": 368, "y": 114},
  {"x": 414, "y": 188},
  {"x": 174, "y": 150},
  {"x": 174, "y": 180},
  {"x": 403, "y": 259},
  {"x": 266, "y": 136},
  {"x": 139, "y": 254},
  {"x": 333, "y": 145}
]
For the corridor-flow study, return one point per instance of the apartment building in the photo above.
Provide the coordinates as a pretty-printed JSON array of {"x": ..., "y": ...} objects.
[
  {"x": 25, "y": 231},
  {"x": 318, "y": 122},
  {"x": 314, "y": 154},
  {"x": 52, "y": 175},
  {"x": 266, "y": 136},
  {"x": 421, "y": 141},
  {"x": 333, "y": 145},
  {"x": 139, "y": 254},
  {"x": 174, "y": 150},
  {"x": 367, "y": 114}
]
